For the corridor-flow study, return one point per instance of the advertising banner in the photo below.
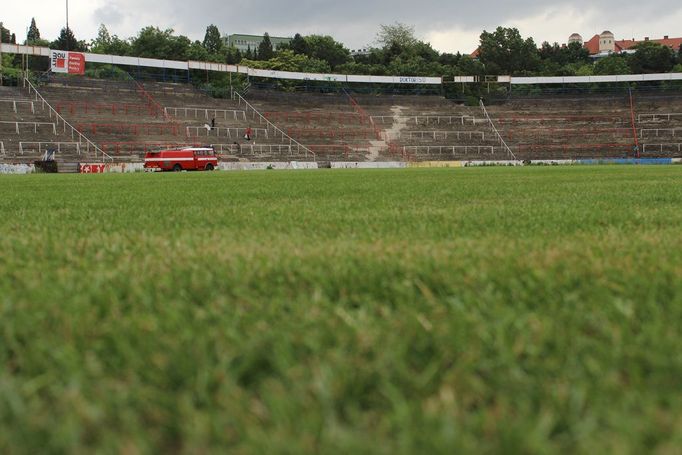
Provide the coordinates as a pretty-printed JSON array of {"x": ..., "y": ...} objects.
[{"x": 67, "y": 62}]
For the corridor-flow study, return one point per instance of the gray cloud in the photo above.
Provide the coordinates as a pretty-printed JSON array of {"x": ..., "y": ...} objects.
[
  {"x": 109, "y": 14},
  {"x": 355, "y": 22}
]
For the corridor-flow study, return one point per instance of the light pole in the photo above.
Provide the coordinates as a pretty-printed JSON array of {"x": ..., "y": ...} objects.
[{"x": 67, "y": 25}]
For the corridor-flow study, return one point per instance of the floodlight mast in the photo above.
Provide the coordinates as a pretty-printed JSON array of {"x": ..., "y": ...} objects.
[{"x": 67, "y": 24}]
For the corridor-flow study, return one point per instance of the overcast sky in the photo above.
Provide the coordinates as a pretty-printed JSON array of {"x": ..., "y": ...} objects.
[{"x": 449, "y": 25}]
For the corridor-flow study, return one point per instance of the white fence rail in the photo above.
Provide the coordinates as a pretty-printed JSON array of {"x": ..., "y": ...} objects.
[
  {"x": 73, "y": 131},
  {"x": 251, "y": 149},
  {"x": 35, "y": 125},
  {"x": 41, "y": 147},
  {"x": 434, "y": 135},
  {"x": 207, "y": 113},
  {"x": 664, "y": 117},
  {"x": 429, "y": 119},
  {"x": 14, "y": 104},
  {"x": 656, "y": 132},
  {"x": 661, "y": 148},
  {"x": 2, "y": 148},
  {"x": 230, "y": 133},
  {"x": 240, "y": 69}
]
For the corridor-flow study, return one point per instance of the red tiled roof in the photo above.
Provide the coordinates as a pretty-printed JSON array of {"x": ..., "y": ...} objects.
[
  {"x": 673, "y": 43},
  {"x": 593, "y": 45}
]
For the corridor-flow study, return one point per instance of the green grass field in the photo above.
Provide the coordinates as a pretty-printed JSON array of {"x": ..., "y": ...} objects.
[{"x": 513, "y": 310}]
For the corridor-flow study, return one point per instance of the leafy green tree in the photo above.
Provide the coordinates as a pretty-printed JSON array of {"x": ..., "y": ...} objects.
[
  {"x": 265, "y": 51},
  {"x": 6, "y": 36},
  {"x": 108, "y": 44},
  {"x": 651, "y": 57},
  {"x": 233, "y": 56},
  {"x": 504, "y": 51},
  {"x": 100, "y": 45},
  {"x": 287, "y": 60},
  {"x": 67, "y": 42},
  {"x": 327, "y": 49},
  {"x": 198, "y": 52},
  {"x": 213, "y": 43},
  {"x": 467, "y": 66},
  {"x": 299, "y": 45},
  {"x": 449, "y": 59},
  {"x": 396, "y": 34},
  {"x": 151, "y": 42},
  {"x": 248, "y": 55},
  {"x": 612, "y": 65},
  {"x": 356, "y": 67},
  {"x": 33, "y": 33}
]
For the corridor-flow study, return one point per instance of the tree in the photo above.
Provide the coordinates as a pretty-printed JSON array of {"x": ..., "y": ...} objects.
[
  {"x": 504, "y": 51},
  {"x": 612, "y": 65},
  {"x": 299, "y": 45},
  {"x": 651, "y": 57},
  {"x": 197, "y": 52},
  {"x": 68, "y": 42},
  {"x": 33, "y": 33},
  {"x": 287, "y": 60},
  {"x": 397, "y": 34},
  {"x": 152, "y": 42},
  {"x": 449, "y": 59},
  {"x": 265, "y": 51},
  {"x": 233, "y": 56},
  {"x": 327, "y": 49},
  {"x": 100, "y": 45},
  {"x": 6, "y": 36},
  {"x": 213, "y": 43}
]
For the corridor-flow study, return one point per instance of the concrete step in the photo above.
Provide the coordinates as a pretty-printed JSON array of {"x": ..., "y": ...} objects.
[{"x": 67, "y": 168}]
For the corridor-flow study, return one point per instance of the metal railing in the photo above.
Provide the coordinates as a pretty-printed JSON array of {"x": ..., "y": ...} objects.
[
  {"x": 246, "y": 149},
  {"x": 34, "y": 124},
  {"x": 428, "y": 119},
  {"x": 25, "y": 146},
  {"x": 230, "y": 133},
  {"x": 276, "y": 130},
  {"x": 644, "y": 118},
  {"x": 492, "y": 125},
  {"x": 435, "y": 135},
  {"x": 74, "y": 132},
  {"x": 14, "y": 104},
  {"x": 214, "y": 113},
  {"x": 648, "y": 132},
  {"x": 661, "y": 148}
]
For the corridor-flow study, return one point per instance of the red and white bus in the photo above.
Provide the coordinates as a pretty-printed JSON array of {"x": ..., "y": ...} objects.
[{"x": 184, "y": 159}]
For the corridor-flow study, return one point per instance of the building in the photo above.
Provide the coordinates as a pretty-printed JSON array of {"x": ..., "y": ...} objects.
[
  {"x": 358, "y": 52},
  {"x": 245, "y": 42},
  {"x": 605, "y": 43}
]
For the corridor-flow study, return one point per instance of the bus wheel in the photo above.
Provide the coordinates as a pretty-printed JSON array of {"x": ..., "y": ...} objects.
[
  {"x": 177, "y": 168},
  {"x": 209, "y": 167}
]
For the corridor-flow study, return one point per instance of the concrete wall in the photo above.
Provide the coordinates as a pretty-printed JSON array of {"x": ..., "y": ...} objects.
[
  {"x": 16, "y": 168},
  {"x": 238, "y": 166}
]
